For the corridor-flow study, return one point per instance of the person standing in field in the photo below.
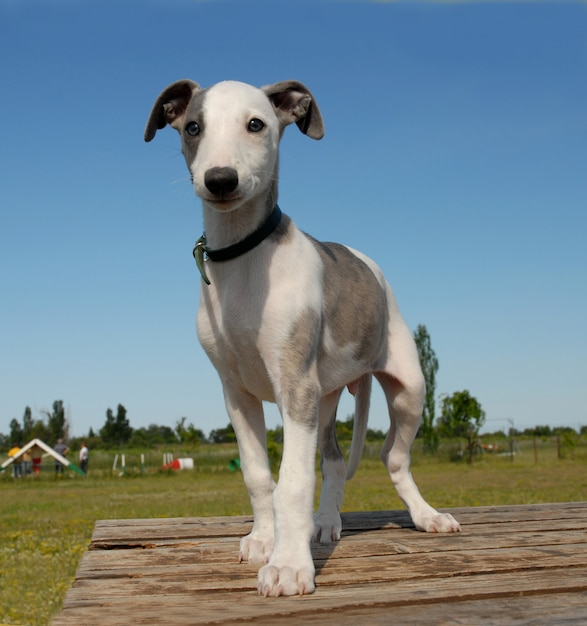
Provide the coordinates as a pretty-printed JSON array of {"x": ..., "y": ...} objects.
[
  {"x": 83, "y": 458},
  {"x": 16, "y": 465},
  {"x": 62, "y": 449},
  {"x": 26, "y": 457}
]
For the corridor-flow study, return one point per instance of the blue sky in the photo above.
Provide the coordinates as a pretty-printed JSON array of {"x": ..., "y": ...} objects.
[{"x": 455, "y": 155}]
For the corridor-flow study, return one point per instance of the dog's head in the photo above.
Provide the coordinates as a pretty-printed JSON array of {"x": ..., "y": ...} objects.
[{"x": 230, "y": 133}]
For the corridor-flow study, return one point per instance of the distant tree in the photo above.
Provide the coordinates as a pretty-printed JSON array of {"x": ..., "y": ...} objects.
[
  {"x": 123, "y": 427},
  {"x": 152, "y": 436},
  {"x": 275, "y": 435},
  {"x": 429, "y": 365},
  {"x": 15, "y": 432},
  {"x": 27, "y": 424},
  {"x": 37, "y": 429},
  {"x": 40, "y": 430},
  {"x": 140, "y": 439},
  {"x": 538, "y": 431},
  {"x": 162, "y": 434},
  {"x": 223, "y": 435},
  {"x": 344, "y": 430},
  {"x": 195, "y": 435},
  {"x": 116, "y": 431},
  {"x": 181, "y": 429},
  {"x": 57, "y": 427},
  {"x": 108, "y": 431},
  {"x": 375, "y": 435},
  {"x": 189, "y": 433},
  {"x": 497, "y": 434},
  {"x": 462, "y": 416},
  {"x": 564, "y": 430}
]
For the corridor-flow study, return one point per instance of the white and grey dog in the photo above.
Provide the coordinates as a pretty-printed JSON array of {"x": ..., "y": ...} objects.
[{"x": 287, "y": 319}]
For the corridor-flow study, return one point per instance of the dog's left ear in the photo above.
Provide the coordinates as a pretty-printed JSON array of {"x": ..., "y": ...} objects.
[
  {"x": 170, "y": 106},
  {"x": 293, "y": 102}
]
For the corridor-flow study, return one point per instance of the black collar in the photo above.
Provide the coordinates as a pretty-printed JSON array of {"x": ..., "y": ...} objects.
[{"x": 237, "y": 249}]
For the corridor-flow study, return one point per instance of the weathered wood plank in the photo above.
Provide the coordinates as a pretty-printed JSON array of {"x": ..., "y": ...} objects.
[
  {"x": 521, "y": 611},
  {"x": 526, "y": 562},
  {"x": 374, "y": 543},
  {"x": 199, "y": 607},
  {"x": 392, "y": 540},
  {"x": 369, "y": 518},
  {"x": 109, "y": 534},
  {"x": 169, "y": 528},
  {"x": 166, "y": 579},
  {"x": 106, "y": 530},
  {"x": 359, "y": 592}
]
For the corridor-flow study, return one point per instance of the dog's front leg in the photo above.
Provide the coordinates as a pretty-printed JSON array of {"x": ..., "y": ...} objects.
[
  {"x": 246, "y": 416},
  {"x": 290, "y": 570}
]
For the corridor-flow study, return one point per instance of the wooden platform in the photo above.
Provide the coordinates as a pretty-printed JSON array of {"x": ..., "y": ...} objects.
[{"x": 509, "y": 565}]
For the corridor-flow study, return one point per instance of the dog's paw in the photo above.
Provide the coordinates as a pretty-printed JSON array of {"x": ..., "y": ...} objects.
[
  {"x": 327, "y": 528},
  {"x": 255, "y": 548},
  {"x": 438, "y": 523},
  {"x": 287, "y": 580}
]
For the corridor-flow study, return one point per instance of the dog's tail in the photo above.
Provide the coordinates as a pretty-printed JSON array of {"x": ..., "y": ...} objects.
[{"x": 361, "y": 389}]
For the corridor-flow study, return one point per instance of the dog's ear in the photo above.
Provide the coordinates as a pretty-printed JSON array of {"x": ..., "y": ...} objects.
[
  {"x": 170, "y": 106},
  {"x": 293, "y": 102}
]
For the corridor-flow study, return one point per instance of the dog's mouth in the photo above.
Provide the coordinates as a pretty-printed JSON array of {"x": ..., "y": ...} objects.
[
  {"x": 223, "y": 200},
  {"x": 223, "y": 203}
]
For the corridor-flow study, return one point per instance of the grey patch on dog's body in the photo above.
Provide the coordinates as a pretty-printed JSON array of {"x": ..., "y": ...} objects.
[
  {"x": 284, "y": 231},
  {"x": 359, "y": 313},
  {"x": 299, "y": 368},
  {"x": 301, "y": 349},
  {"x": 329, "y": 444},
  {"x": 354, "y": 319}
]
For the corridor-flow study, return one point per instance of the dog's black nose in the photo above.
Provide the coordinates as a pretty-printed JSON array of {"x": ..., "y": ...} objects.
[{"x": 221, "y": 180}]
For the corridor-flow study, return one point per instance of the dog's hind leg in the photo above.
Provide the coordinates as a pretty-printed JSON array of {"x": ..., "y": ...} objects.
[
  {"x": 361, "y": 389},
  {"x": 327, "y": 522},
  {"x": 246, "y": 416},
  {"x": 404, "y": 388}
]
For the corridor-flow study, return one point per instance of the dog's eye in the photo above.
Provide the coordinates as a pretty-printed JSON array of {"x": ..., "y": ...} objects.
[
  {"x": 192, "y": 129},
  {"x": 256, "y": 125}
]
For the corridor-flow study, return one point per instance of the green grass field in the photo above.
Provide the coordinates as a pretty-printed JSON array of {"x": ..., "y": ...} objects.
[{"x": 46, "y": 522}]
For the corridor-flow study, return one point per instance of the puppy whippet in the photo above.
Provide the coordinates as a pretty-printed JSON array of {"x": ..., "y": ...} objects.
[{"x": 287, "y": 319}]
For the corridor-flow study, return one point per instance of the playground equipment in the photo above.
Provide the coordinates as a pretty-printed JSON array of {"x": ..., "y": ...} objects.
[{"x": 36, "y": 448}]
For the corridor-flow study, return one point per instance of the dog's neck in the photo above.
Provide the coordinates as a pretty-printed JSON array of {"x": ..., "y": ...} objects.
[
  {"x": 240, "y": 247},
  {"x": 244, "y": 245},
  {"x": 225, "y": 229}
]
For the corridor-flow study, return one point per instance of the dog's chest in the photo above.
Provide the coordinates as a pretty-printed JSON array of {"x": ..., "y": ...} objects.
[{"x": 230, "y": 335}]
